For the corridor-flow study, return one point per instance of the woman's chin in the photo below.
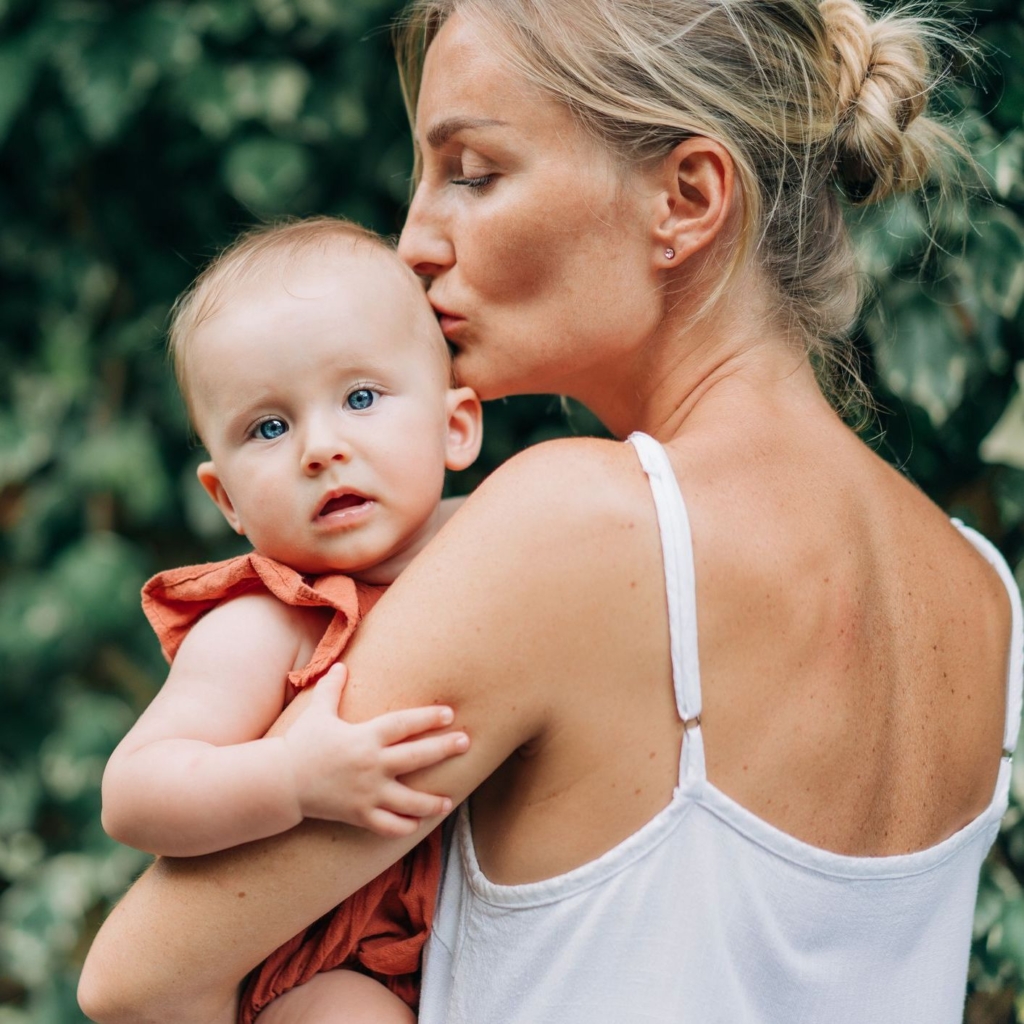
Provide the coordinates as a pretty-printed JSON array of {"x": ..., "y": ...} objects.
[
  {"x": 472, "y": 372},
  {"x": 488, "y": 380}
]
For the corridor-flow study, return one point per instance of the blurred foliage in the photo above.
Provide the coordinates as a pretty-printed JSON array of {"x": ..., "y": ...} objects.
[{"x": 136, "y": 137}]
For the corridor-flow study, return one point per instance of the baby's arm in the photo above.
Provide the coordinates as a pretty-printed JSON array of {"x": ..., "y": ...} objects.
[{"x": 194, "y": 775}]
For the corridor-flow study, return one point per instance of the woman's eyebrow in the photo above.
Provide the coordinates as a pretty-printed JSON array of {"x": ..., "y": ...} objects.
[{"x": 441, "y": 132}]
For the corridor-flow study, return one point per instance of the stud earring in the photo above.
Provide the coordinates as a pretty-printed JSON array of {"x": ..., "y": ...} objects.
[{"x": 670, "y": 253}]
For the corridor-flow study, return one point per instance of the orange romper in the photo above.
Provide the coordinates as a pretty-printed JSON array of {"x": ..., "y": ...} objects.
[{"x": 381, "y": 929}]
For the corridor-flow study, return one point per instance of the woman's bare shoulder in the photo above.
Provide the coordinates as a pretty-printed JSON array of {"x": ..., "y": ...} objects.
[
  {"x": 585, "y": 470},
  {"x": 557, "y": 516},
  {"x": 581, "y": 487},
  {"x": 533, "y": 529},
  {"x": 549, "y": 549}
]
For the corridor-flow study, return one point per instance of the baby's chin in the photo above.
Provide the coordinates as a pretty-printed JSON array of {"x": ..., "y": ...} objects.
[{"x": 376, "y": 571}]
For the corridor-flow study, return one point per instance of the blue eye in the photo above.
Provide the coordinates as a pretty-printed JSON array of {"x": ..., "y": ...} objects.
[
  {"x": 361, "y": 399},
  {"x": 272, "y": 429}
]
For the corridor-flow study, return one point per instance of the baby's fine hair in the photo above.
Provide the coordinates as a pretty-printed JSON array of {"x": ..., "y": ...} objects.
[
  {"x": 817, "y": 103},
  {"x": 246, "y": 257}
]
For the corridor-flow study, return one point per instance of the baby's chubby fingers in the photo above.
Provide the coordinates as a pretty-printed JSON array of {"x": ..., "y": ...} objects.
[
  {"x": 389, "y": 825},
  {"x": 402, "y": 758},
  {"x": 400, "y": 799},
  {"x": 395, "y": 726},
  {"x": 327, "y": 692}
]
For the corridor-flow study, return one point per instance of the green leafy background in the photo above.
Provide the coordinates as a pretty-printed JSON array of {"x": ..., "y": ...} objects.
[{"x": 137, "y": 136}]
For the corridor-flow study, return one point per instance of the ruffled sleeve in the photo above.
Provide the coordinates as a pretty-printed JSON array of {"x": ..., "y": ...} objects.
[{"x": 175, "y": 600}]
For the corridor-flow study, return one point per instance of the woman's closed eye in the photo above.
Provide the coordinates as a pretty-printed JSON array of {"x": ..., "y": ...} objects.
[
  {"x": 269, "y": 429},
  {"x": 480, "y": 182}
]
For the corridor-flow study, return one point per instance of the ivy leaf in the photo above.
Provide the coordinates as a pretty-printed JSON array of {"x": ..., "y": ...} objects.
[
  {"x": 921, "y": 350},
  {"x": 1004, "y": 444},
  {"x": 105, "y": 76},
  {"x": 268, "y": 175},
  {"x": 125, "y": 461},
  {"x": 18, "y": 67}
]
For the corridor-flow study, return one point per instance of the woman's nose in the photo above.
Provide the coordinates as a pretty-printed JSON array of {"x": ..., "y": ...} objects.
[{"x": 425, "y": 244}]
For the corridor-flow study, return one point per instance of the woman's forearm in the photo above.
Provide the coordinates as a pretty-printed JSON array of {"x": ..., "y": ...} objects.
[{"x": 176, "y": 948}]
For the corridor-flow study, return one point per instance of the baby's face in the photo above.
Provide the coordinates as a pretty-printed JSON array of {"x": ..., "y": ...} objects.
[{"x": 321, "y": 392}]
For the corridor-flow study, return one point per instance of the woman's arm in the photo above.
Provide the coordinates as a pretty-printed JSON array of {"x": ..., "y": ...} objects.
[{"x": 518, "y": 597}]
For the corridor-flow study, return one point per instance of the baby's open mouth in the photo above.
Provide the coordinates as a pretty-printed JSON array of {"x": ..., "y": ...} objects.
[{"x": 342, "y": 503}]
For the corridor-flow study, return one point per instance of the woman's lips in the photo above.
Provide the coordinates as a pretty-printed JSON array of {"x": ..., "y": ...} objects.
[
  {"x": 448, "y": 319},
  {"x": 449, "y": 323}
]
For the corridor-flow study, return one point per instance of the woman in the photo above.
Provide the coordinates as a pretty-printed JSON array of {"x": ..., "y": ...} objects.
[{"x": 637, "y": 205}]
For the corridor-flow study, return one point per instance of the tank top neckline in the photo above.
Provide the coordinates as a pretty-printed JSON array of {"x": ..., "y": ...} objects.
[{"x": 694, "y": 789}]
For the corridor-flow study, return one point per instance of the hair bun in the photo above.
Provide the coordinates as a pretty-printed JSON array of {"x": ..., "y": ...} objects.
[{"x": 884, "y": 74}]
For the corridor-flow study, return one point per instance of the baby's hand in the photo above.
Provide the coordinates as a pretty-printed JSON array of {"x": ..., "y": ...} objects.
[{"x": 349, "y": 772}]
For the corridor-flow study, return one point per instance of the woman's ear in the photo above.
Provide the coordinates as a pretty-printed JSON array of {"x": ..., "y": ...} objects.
[
  {"x": 465, "y": 431},
  {"x": 208, "y": 477},
  {"x": 695, "y": 196}
]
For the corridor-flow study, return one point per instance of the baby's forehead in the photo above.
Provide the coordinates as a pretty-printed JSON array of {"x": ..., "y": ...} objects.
[
  {"x": 327, "y": 265},
  {"x": 359, "y": 282},
  {"x": 360, "y": 273}
]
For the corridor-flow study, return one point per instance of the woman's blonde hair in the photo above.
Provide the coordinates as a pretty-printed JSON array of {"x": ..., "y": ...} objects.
[{"x": 814, "y": 101}]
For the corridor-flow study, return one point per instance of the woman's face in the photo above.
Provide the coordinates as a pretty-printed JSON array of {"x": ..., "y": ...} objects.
[{"x": 536, "y": 248}]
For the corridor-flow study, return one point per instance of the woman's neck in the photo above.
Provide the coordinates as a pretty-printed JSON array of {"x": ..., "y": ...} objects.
[{"x": 681, "y": 369}]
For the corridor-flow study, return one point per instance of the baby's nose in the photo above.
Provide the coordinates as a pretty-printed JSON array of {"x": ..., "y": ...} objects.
[{"x": 322, "y": 452}]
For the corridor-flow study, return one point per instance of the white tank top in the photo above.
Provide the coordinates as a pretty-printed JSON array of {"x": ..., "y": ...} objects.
[{"x": 708, "y": 913}]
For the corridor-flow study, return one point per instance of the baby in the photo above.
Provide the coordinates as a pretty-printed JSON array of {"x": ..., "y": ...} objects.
[{"x": 319, "y": 382}]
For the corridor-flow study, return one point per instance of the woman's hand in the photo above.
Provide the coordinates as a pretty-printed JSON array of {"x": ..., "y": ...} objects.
[{"x": 351, "y": 772}]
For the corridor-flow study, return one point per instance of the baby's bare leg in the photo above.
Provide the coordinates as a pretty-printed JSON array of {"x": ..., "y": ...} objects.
[{"x": 338, "y": 997}]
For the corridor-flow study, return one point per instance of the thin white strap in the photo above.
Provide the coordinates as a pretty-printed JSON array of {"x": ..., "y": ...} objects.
[
  {"x": 681, "y": 593},
  {"x": 1015, "y": 661}
]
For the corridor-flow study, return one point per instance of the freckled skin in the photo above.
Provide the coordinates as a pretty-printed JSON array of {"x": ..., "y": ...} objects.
[{"x": 545, "y": 251}]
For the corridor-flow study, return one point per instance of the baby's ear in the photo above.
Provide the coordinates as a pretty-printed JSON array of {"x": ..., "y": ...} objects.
[
  {"x": 208, "y": 477},
  {"x": 465, "y": 428}
]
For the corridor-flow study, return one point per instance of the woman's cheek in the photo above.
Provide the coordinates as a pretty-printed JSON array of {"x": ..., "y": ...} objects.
[{"x": 512, "y": 260}]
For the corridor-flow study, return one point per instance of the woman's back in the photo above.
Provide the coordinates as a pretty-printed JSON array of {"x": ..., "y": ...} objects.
[
  {"x": 852, "y": 650},
  {"x": 708, "y": 912},
  {"x": 853, "y": 645}
]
